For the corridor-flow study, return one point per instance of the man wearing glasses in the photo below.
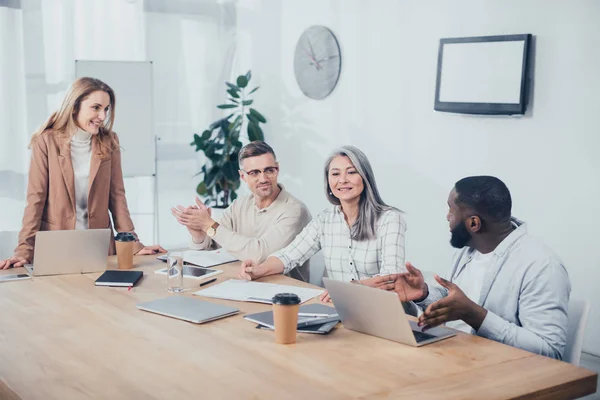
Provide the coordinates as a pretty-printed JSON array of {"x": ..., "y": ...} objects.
[{"x": 254, "y": 226}]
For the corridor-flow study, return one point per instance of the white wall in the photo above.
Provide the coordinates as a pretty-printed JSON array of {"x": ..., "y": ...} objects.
[{"x": 384, "y": 105}]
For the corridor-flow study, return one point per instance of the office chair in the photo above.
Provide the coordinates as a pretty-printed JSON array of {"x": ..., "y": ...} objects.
[{"x": 578, "y": 315}]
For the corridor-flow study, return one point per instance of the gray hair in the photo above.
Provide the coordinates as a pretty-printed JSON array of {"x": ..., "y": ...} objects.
[{"x": 370, "y": 205}]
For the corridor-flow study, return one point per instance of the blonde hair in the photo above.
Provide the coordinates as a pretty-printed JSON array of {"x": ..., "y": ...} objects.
[{"x": 63, "y": 121}]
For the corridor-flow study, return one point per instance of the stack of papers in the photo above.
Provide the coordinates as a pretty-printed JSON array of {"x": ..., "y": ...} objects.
[
  {"x": 258, "y": 292},
  {"x": 207, "y": 258}
]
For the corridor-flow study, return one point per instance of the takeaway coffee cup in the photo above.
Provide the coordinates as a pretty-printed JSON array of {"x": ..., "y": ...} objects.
[
  {"x": 124, "y": 242},
  {"x": 285, "y": 316}
]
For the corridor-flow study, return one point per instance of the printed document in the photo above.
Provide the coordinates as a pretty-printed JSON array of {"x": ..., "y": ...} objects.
[{"x": 259, "y": 292}]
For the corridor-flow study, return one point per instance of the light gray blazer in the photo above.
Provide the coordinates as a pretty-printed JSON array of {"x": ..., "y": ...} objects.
[{"x": 526, "y": 293}]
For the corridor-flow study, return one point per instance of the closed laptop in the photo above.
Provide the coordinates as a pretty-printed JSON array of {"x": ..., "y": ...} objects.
[{"x": 188, "y": 309}]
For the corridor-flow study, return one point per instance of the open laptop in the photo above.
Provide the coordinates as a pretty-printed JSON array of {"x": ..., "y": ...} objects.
[
  {"x": 188, "y": 309},
  {"x": 379, "y": 313},
  {"x": 70, "y": 252}
]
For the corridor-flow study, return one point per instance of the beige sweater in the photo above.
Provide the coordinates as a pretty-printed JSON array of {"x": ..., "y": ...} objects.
[{"x": 250, "y": 233}]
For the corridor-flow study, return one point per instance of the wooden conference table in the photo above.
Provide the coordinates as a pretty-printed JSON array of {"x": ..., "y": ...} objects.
[{"x": 61, "y": 337}]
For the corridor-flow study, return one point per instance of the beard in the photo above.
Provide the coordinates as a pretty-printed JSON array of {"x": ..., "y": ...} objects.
[
  {"x": 264, "y": 191},
  {"x": 460, "y": 236}
]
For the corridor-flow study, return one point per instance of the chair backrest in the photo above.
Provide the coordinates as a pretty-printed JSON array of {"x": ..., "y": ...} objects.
[{"x": 578, "y": 316}]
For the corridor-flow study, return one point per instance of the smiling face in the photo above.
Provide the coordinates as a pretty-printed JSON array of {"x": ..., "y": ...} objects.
[
  {"x": 92, "y": 111},
  {"x": 344, "y": 180},
  {"x": 260, "y": 173}
]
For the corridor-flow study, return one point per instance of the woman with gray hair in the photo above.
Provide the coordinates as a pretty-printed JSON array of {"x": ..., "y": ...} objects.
[{"x": 361, "y": 236}]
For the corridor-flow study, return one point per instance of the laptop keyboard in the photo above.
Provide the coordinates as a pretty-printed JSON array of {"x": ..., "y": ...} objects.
[{"x": 421, "y": 336}]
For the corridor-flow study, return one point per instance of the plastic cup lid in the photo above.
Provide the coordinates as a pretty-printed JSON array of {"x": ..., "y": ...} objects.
[
  {"x": 125, "y": 237},
  {"x": 286, "y": 299}
]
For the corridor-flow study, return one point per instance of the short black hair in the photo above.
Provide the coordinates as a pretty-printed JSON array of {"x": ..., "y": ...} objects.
[
  {"x": 487, "y": 195},
  {"x": 254, "y": 149}
]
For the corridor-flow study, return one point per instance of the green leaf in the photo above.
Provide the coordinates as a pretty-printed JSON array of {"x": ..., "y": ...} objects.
[
  {"x": 201, "y": 189},
  {"x": 248, "y": 75},
  {"x": 233, "y": 127},
  {"x": 258, "y": 115},
  {"x": 206, "y": 135},
  {"x": 226, "y": 106},
  {"x": 196, "y": 142},
  {"x": 252, "y": 118},
  {"x": 259, "y": 133},
  {"x": 230, "y": 171},
  {"x": 233, "y": 93},
  {"x": 254, "y": 90},
  {"x": 242, "y": 81},
  {"x": 253, "y": 132},
  {"x": 211, "y": 177},
  {"x": 247, "y": 102},
  {"x": 215, "y": 124},
  {"x": 233, "y": 100},
  {"x": 232, "y": 86}
]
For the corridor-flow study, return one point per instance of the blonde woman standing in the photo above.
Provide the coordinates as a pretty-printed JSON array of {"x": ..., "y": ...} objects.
[{"x": 75, "y": 176}]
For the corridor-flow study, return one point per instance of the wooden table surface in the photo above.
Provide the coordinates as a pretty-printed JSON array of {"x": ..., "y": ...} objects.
[{"x": 61, "y": 337}]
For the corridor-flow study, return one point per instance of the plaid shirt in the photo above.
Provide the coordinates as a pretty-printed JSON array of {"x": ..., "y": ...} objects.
[{"x": 345, "y": 258}]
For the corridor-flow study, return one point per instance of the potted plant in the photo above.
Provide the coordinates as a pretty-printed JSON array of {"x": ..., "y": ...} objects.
[{"x": 221, "y": 144}]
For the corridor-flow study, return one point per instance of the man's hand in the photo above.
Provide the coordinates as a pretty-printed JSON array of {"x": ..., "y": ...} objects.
[
  {"x": 250, "y": 270},
  {"x": 150, "y": 250},
  {"x": 410, "y": 286},
  {"x": 376, "y": 281},
  {"x": 453, "y": 307},
  {"x": 197, "y": 219},
  {"x": 14, "y": 261}
]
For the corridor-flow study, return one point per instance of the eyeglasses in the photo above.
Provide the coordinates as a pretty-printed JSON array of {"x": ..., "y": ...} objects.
[{"x": 255, "y": 173}]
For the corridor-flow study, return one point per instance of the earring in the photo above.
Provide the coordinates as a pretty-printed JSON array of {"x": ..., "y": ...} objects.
[{"x": 330, "y": 193}]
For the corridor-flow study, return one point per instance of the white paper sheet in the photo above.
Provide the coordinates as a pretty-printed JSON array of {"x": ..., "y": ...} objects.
[
  {"x": 258, "y": 292},
  {"x": 207, "y": 258}
]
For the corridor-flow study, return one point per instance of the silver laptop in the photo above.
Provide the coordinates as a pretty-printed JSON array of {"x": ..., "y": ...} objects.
[
  {"x": 188, "y": 309},
  {"x": 379, "y": 313},
  {"x": 70, "y": 252}
]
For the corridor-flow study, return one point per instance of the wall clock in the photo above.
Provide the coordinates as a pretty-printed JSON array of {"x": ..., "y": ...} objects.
[{"x": 317, "y": 62}]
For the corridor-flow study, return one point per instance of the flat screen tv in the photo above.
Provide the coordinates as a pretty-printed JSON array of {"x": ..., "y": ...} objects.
[{"x": 483, "y": 75}]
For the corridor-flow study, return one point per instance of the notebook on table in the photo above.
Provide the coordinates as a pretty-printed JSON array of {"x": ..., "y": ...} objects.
[
  {"x": 188, "y": 309},
  {"x": 119, "y": 278}
]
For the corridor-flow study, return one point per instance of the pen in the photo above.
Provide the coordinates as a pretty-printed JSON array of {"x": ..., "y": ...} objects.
[{"x": 208, "y": 281}]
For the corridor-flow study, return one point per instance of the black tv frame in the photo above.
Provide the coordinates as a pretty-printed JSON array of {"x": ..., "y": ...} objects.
[{"x": 485, "y": 108}]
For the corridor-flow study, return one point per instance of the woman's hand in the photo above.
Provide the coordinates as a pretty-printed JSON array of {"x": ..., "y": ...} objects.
[
  {"x": 154, "y": 249},
  {"x": 250, "y": 270},
  {"x": 14, "y": 262},
  {"x": 324, "y": 297}
]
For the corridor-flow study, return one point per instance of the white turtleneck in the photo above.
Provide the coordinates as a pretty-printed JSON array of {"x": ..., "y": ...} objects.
[{"x": 81, "y": 153}]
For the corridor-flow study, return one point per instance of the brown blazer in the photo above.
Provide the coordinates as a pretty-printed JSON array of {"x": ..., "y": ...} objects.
[{"x": 51, "y": 192}]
